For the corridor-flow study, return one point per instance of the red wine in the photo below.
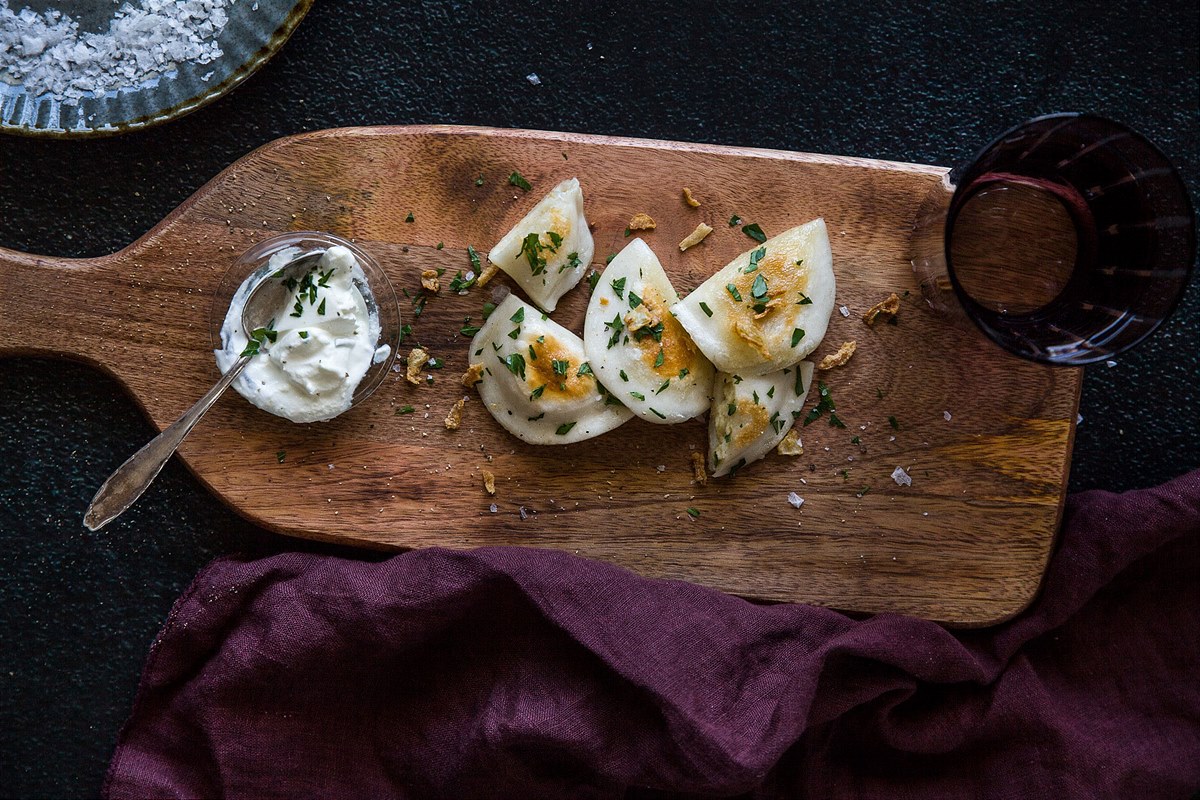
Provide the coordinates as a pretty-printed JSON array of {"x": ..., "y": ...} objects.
[{"x": 1069, "y": 239}]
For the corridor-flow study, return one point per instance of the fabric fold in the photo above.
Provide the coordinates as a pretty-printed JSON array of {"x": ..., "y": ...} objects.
[{"x": 511, "y": 672}]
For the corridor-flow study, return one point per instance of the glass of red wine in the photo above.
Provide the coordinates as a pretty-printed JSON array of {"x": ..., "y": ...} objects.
[{"x": 1067, "y": 240}]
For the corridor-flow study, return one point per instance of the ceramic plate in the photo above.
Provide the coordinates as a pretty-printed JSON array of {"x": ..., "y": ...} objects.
[{"x": 255, "y": 31}]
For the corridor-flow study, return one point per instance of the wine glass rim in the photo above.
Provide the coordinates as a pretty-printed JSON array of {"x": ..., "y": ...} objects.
[{"x": 970, "y": 306}]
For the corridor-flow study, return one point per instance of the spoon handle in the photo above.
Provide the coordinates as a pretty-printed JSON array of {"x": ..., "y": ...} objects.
[{"x": 133, "y": 477}]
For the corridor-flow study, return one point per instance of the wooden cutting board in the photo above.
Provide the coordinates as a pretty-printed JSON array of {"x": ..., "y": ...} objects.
[{"x": 966, "y": 544}]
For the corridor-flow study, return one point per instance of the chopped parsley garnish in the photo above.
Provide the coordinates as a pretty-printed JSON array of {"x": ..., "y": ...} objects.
[
  {"x": 627, "y": 232},
  {"x": 878, "y": 393},
  {"x": 514, "y": 333},
  {"x": 855, "y": 440},
  {"x": 754, "y": 232},
  {"x": 759, "y": 290},
  {"x": 518, "y": 180},
  {"x": 539, "y": 416},
  {"x": 707, "y": 311},
  {"x": 637, "y": 395},
  {"x": 593, "y": 278},
  {"x": 624, "y": 377},
  {"x": 573, "y": 262},
  {"x": 845, "y": 473},
  {"x": 536, "y": 393},
  {"x": 618, "y": 287},
  {"x": 755, "y": 257},
  {"x": 474, "y": 256},
  {"x": 823, "y": 405},
  {"x": 321, "y": 308},
  {"x": 303, "y": 334},
  {"x": 405, "y": 331},
  {"x": 280, "y": 455},
  {"x": 618, "y": 327},
  {"x": 797, "y": 335},
  {"x": 634, "y": 300},
  {"x": 479, "y": 180},
  {"x": 440, "y": 245},
  {"x": 693, "y": 512},
  {"x": 519, "y": 316},
  {"x": 515, "y": 363},
  {"x": 734, "y": 221},
  {"x": 895, "y": 425},
  {"x": 658, "y": 360},
  {"x": 532, "y": 353},
  {"x": 805, "y": 300},
  {"x": 657, "y": 413},
  {"x": 531, "y": 246},
  {"x": 662, "y": 388},
  {"x": 488, "y": 308},
  {"x": 683, "y": 373},
  {"x": 584, "y": 369},
  {"x": 560, "y": 366},
  {"x": 733, "y": 292},
  {"x": 410, "y": 217},
  {"x": 754, "y": 396},
  {"x": 835, "y": 421},
  {"x": 771, "y": 392},
  {"x": 862, "y": 491},
  {"x": 654, "y": 331},
  {"x": 419, "y": 304},
  {"x": 565, "y": 428},
  {"x": 435, "y": 363},
  {"x": 460, "y": 284},
  {"x": 732, "y": 409},
  {"x": 799, "y": 382},
  {"x": 404, "y": 410}
]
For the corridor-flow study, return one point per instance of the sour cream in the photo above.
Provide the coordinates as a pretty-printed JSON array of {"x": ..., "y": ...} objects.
[{"x": 323, "y": 346}]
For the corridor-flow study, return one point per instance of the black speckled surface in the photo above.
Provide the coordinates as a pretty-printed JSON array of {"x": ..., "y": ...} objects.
[{"x": 78, "y": 610}]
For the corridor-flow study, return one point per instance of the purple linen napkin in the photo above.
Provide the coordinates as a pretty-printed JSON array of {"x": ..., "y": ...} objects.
[{"x": 523, "y": 673}]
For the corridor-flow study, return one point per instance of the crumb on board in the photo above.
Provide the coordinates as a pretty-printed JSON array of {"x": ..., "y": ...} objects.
[
  {"x": 690, "y": 199},
  {"x": 884, "y": 308},
  {"x": 487, "y": 274},
  {"x": 416, "y": 360},
  {"x": 429, "y": 279},
  {"x": 839, "y": 358},
  {"x": 473, "y": 375},
  {"x": 790, "y": 445},
  {"x": 642, "y": 222},
  {"x": 454, "y": 418},
  {"x": 489, "y": 482},
  {"x": 695, "y": 237},
  {"x": 699, "y": 475}
]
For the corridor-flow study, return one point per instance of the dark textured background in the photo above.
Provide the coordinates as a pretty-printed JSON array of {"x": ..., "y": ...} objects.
[{"x": 78, "y": 611}]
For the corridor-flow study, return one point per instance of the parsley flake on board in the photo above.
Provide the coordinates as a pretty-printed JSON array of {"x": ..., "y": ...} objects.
[
  {"x": 280, "y": 456},
  {"x": 734, "y": 221},
  {"x": 488, "y": 308},
  {"x": 518, "y": 180},
  {"x": 754, "y": 232},
  {"x": 593, "y": 278},
  {"x": 823, "y": 405},
  {"x": 895, "y": 425},
  {"x": 479, "y": 180},
  {"x": 410, "y": 217},
  {"x": 404, "y": 410}
]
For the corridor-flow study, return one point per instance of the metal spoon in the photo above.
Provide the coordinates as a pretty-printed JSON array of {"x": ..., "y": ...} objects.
[{"x": 125, "y": 486}]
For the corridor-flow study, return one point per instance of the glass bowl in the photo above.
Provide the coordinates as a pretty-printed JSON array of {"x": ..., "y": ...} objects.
[{"x": 377, "y": 293}]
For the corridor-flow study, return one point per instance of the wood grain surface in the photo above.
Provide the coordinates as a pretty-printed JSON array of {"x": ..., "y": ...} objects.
[{"x": 966, "y": 544}]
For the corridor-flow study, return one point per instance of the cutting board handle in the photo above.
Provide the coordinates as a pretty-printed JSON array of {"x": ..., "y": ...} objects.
[{"x": 56, "y": 307}]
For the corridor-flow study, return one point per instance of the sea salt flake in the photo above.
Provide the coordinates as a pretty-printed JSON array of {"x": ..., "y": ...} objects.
[
  {"x": 901, "y": 477},
  {"x": 845, "y": 312},
  {"x": 534, "y": 79},
  {"x": 946, "y": 416},
  {"x": 795, "y": 499}
]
